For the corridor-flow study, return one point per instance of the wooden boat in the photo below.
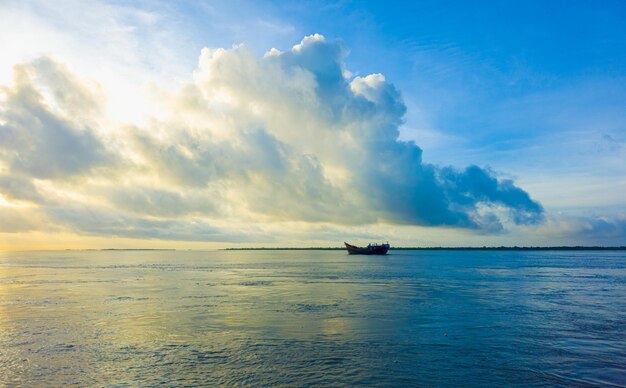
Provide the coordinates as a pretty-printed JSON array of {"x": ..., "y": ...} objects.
[{"x": 370, "y": 249}]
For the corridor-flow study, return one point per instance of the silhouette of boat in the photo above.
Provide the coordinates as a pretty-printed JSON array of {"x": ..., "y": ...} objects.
[{"x": 370, "y": 249}]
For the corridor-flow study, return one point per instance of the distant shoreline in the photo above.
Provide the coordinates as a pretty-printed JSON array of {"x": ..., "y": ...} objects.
[
  {"x": 502, "y": 248},
  {"x": 485, "y": 248}
]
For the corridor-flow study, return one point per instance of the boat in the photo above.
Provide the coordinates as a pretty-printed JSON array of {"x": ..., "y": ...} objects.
[{"x": 370, "y": 249}]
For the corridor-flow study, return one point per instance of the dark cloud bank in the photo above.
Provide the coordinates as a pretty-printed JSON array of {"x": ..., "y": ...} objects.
[{"x": 296, "y": 118}]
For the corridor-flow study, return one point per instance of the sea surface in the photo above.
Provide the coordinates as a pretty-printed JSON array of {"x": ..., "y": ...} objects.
[{"x": 313, "y": 318}]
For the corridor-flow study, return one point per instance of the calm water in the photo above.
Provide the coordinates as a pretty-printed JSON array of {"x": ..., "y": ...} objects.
[{"x": 413, "y": 318}]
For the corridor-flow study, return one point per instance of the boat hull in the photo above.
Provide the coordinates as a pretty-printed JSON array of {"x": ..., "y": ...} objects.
[{"x": 369, "y": 250}]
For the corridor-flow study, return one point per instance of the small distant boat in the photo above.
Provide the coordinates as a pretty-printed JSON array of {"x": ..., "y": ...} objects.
[{"x": 370, "y": 249}]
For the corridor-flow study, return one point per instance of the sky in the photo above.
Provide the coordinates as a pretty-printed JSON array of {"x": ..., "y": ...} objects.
[{"x": 207, "y": 124}]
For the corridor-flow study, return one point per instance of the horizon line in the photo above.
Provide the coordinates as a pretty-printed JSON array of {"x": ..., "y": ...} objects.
[
  {"x": 519, "y": 248},
  {"x": 400, "y": 248}
]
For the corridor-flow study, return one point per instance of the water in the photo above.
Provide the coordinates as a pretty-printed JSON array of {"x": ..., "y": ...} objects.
[{"x": 412, "y": 318}]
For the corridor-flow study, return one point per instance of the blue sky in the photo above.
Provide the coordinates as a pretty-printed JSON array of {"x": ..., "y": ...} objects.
[{"x": 530, "y": 93}]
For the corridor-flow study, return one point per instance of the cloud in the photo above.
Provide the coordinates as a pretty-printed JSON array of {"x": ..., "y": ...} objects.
[
  {"x": 599, "y": 230},
  {"x": 474, "y": 185},
  {"x": 17, "y": 220},
  {"x": 563, "y": 228},
  {"x": 49, "y": 136},
  {"x": 19, "y": 188},
  {"x": 286, "y": 137},
  {"x": 112, "y": 223},
  {"x": 351, "y": 126}
]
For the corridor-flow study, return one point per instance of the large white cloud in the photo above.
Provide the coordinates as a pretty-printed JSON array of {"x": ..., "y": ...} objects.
[
  {"x": 247, "y": 140},
  {"x": 49, "y": 118}
]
